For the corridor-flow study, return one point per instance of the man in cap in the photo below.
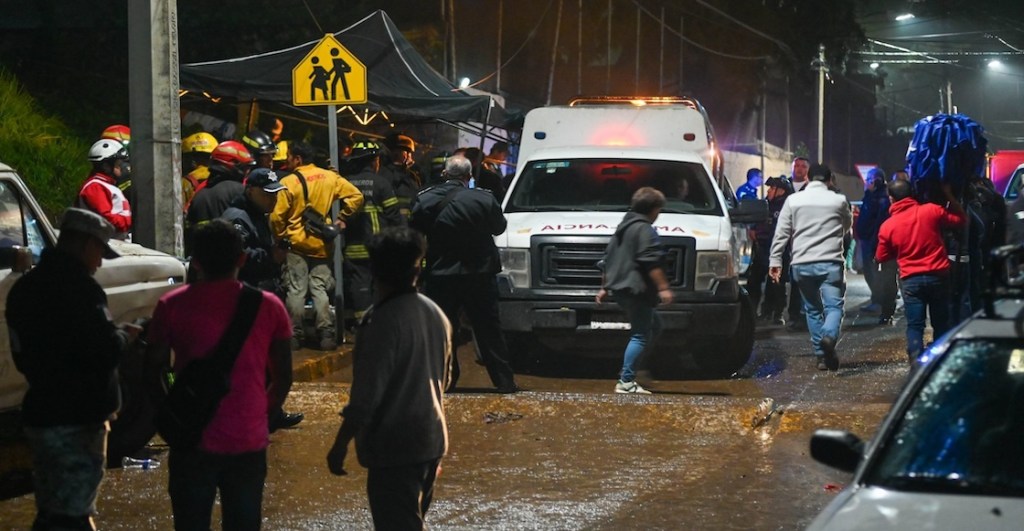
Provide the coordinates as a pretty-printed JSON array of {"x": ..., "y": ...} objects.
[
  {"x": 71, "y": 370},
  {"x": 263, "y": 257},
  {"x": 779, "y": 188},
  {"x": 815, "y": 221},
  {"x": 401, "y": 170}
]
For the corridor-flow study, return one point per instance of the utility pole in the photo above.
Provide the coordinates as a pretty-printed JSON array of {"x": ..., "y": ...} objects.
[
  {"x": 608, "y": 56},
  {"x": 554, "y": 52},
  {"x": 156, "y": 125},
  {"x": 661, "y": 56},
  {"x": 821, "y": 101},
  {"x": 949, "y": 97},
  {"x": 497, "y": 66},
  {"x": 579, "y": 47}
]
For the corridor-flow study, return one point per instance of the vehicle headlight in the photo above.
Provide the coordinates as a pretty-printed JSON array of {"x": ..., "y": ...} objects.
[
  {"x": 516, "y": 264},
  {"x": 711, "y": 267}
]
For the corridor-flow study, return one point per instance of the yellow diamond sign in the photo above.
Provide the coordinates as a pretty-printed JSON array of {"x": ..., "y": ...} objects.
[{"x": 329, "y": 75}]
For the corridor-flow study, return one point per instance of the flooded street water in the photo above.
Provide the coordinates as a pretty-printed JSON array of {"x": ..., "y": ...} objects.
[{"x": 570, "y": 454}]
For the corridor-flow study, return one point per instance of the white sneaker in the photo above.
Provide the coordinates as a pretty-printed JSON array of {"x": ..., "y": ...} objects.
[{"x": 631, "y": 388}]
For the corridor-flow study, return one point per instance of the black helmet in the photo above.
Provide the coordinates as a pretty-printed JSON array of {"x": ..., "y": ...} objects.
[
  {"x": 259, "y": 143},
  {"x": 364, "y": 149}
]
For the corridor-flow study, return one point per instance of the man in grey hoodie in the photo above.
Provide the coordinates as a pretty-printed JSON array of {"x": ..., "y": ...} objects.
[
  {"x": 816, "y": 221},
  {"x": 634, "y": 272}
]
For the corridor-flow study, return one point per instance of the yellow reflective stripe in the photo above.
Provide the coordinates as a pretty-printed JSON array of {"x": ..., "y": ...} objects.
[
  {"x": 375, "y": 222},
  {"x": 370, "y": 208},
  {"x": 391, "y": 201},
  {"x": 357, "y": 252}
]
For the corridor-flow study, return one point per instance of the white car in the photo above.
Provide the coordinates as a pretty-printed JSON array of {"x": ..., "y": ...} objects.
[
  {"x": 133, "y": 284},
  {"x": 950, "y": 453}
]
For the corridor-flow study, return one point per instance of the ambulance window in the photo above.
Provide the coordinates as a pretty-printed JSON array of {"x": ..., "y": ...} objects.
[{"x": 609, "y": 185}]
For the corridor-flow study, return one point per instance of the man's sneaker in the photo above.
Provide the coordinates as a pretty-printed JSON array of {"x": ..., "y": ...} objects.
[
  {"x": 885, "y": 320},
  {"x": 630, "y": 388},
  {"x": 821, "y": 365},
  {"x": 828, "y": 346}
]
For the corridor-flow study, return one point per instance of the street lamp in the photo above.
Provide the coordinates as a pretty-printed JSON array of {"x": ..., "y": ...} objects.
[
  {"x": 904, "y": 16},
  {"x": 464, "y": 82},
  {"x": 995, "y": 64},
  {"x": 874, "y": 66}
]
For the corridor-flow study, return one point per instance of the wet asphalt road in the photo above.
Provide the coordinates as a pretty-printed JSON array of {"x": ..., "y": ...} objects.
[{"x": 570, "y": 454}]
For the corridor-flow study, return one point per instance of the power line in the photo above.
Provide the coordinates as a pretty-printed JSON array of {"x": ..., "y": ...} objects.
[{"x": 696, "y": 44}]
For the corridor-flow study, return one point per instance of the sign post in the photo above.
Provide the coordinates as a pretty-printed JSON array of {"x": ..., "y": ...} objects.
[{"x": 330, "y": 75}]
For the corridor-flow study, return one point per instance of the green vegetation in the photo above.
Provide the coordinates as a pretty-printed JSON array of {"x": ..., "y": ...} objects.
[{"x": 42, "y": 148}]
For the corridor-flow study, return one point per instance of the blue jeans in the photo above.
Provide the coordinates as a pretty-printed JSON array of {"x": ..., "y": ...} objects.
[
  {"x": 925, "y": 294},
  {"x": 195, "y": 477},
  {"x": 645, "y": 325},
  {"x": 822, "y": 286}
]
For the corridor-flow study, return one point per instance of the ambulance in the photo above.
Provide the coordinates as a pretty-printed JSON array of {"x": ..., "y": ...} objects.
[{"x": 579, "y": 165}]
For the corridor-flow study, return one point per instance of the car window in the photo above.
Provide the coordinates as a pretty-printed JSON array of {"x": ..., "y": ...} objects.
[
  {"x": 608, "y": 185},
  {"x": 955, "y": 435},
  {"x": 18, "y": 224},
  {"x": 1013, "y": 187}
]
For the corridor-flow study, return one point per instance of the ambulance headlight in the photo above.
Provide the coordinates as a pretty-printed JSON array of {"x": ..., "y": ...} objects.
[
  {"x": 712, "y": 267},
  {"x": 515, "y": 263}
]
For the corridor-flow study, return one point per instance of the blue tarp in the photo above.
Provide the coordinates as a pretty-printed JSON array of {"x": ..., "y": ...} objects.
[{"x": 948, "y": 148}]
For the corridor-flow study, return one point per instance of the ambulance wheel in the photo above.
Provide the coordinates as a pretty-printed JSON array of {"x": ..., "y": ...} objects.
[{"x": 722, "y": 356}]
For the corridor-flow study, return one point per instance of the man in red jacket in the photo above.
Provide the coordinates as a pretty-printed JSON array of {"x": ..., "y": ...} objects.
[{"x": 913, "y": 237}]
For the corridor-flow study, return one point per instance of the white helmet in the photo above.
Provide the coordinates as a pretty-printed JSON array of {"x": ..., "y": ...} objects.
[{"x": 106, "y": 148}]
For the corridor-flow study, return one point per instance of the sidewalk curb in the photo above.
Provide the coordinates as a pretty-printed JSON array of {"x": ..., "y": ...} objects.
[{"x": 320, "y": 365}]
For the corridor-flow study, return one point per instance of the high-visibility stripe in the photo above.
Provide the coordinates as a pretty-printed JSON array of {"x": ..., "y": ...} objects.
[
  {"x": 356, "y": 252},
  {"x": 391, "y": 201}
]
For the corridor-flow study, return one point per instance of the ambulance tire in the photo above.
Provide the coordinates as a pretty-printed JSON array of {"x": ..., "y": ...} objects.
[{"x": 723, "y": 356}]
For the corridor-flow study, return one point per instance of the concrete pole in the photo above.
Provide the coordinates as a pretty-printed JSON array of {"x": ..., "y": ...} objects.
[
  {"x": 554, "y": 53},
  {"x": 155, "y": 123},
  {"x": 608, "y": 53},
  {"x": 821, "y": 101},
  {"x": 497, "y": 65}
]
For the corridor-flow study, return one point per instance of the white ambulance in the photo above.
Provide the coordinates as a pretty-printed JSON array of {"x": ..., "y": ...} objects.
[{"x": 578, "y": 168}]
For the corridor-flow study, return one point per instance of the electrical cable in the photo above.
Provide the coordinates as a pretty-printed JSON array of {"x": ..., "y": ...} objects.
[
  {"x": 675, "y": 32},
  {"x": 529, "y": 37},
  {"x": 315, "y": 21}
]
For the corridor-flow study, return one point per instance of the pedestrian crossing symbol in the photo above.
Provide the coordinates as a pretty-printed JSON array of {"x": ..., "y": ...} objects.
[{"x": 329, "y": 75}]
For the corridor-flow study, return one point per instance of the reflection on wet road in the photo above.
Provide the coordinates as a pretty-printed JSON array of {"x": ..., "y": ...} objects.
[{"x": 570, "y": 454}]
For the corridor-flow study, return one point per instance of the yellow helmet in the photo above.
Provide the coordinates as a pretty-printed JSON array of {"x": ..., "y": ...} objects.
[{"x": 199, "y": 142}]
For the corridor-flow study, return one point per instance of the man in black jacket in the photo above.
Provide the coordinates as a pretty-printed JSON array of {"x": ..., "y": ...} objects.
[
  {"x": 69, "y": 352},
  {"x": 263, "y": 257},
  {"x": 462, "y": 262},
  {"x": 634, "y": 272}
]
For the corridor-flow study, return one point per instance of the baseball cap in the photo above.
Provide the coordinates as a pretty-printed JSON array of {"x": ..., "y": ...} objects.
[
  {"x": 88, "y": 222},
  {"x": 780, "y": 182},
  {"x": 821, "y": 171},
  {"x": 264, "y": 178}
]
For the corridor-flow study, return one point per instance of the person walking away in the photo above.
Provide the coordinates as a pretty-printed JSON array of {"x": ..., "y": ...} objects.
[
  {"x": 462, "y": 263},
  {"x": 263, "y": 256},
  {"x": 100, "y": 193},
  {"x": 230, "y": 162},
  {"x": 813, "y": 223},
  {"x": 195, "y": 159},
  {"x": 401, "y": 170},
  {"x": 379, "y": 211},
  {"x": 913, "y": 237},
  {"x": 779, "y": 188},
  {"x": 232, "y": 455},
  {"x": 307, "y": 271},
  {"x": 73, "y": 391},
  {"x": 634, "y": 273},
  {"x": 748, "y": 190},
  {"x": 881, "y": 278},
  {"x": 400, "y": 366}
]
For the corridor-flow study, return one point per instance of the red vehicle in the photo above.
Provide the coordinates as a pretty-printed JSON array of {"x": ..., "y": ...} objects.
[{"x": 1001, "y": 166}]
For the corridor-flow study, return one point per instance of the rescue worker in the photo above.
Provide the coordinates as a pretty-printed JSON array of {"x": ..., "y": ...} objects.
[
  {"x": 401, "y": 171},
  {"x": 379, "y": 211},
  {"x": 261, "y": 147},
  {"x": 280, "y": 161},
  {"x": 123, "y": 134},
  {"x": 100, "y": 192},
  {"x": 195, "y": 158},
  {"x": 229, "y": 164},
  {"x": 307, "y": 267}
]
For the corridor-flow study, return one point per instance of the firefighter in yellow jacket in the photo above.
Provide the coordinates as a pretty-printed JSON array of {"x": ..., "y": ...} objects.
[{"x": 307, "y": 270}]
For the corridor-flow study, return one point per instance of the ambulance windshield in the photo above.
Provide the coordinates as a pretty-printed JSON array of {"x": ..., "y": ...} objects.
[{"x": 609, "y": 184}]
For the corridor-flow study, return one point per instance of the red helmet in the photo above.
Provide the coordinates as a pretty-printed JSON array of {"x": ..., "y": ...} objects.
[
  {"x": 121, "y": 133},
  {"x": 233, "y": 156}
]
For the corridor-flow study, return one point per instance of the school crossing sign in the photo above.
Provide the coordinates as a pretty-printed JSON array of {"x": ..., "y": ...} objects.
[{"x": 329, "y": 75}]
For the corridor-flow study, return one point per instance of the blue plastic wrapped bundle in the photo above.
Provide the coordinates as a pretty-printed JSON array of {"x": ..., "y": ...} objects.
[{"x": 947, "y": 148}]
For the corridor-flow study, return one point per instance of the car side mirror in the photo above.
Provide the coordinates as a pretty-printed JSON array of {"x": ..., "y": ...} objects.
[
  {"x": 838, "y": 449},
  {"x": 749, "y": 211}
]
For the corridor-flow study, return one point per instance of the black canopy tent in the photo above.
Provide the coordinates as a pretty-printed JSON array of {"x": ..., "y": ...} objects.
[{"x": 399, "y": 80}]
